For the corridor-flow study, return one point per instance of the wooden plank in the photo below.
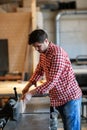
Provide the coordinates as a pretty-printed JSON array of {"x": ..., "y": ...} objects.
[
  {"x": 32, "y": 5},
  {"x": 7, "y": 87}
]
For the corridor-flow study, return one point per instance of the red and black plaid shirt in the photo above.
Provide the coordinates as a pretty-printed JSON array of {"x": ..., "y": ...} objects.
[{"x": 60, "y": 79}]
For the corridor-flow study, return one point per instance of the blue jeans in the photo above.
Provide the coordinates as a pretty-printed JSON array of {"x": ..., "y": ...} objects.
[{"x": 70, "y": 114}]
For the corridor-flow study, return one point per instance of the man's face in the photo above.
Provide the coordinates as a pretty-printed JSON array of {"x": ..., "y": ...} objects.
[{"x": 41, "y": 47}]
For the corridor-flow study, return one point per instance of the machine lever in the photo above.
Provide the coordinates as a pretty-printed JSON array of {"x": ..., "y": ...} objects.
[{"x": 16, "y": 95}]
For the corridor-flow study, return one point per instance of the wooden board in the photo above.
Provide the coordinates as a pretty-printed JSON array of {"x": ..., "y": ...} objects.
[{"x": 7, "y": 87}]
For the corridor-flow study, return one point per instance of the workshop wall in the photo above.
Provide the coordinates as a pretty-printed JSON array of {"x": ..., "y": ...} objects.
[{"x": 15, "y": 28}]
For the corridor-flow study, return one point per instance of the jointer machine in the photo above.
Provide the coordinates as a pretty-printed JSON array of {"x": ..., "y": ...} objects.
[{"x": 10, "y": 111}]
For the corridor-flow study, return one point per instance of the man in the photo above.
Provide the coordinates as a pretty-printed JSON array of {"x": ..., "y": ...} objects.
[{"x": 64, "y": 92}]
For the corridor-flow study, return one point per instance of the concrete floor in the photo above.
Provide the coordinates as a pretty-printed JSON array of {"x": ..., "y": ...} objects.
[
  {"x": 36, "y": 117},
  {"x": 83, "y": 125}
]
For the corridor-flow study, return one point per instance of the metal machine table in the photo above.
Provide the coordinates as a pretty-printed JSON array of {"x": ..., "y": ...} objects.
[{"x": 35, "y": 117}]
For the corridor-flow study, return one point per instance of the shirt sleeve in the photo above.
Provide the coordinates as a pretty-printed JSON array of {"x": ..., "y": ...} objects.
[
  {"x": 37, "y": 74},
  {"x": 58, "y": 64}
]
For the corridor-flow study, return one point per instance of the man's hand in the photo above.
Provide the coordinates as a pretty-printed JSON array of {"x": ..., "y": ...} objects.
[
  {"x": 33, "y": 92},
  {"x": 26, "y": 90}
]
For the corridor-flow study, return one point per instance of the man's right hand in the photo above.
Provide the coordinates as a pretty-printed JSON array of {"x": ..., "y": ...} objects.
[{"x": 25, "y": 90}]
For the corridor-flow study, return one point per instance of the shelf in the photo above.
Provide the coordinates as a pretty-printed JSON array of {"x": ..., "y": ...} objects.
[{"x": 10, "y": 77}]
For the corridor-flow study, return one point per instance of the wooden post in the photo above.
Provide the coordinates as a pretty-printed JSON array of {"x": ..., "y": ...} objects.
[{"x": 31, "y": 4}]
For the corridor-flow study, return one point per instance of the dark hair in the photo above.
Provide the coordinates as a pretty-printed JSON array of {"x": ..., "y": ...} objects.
[{"x": 37, "y": 35}]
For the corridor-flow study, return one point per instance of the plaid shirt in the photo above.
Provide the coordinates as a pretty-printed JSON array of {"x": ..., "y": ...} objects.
[{"x": 60, "y": 79}]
